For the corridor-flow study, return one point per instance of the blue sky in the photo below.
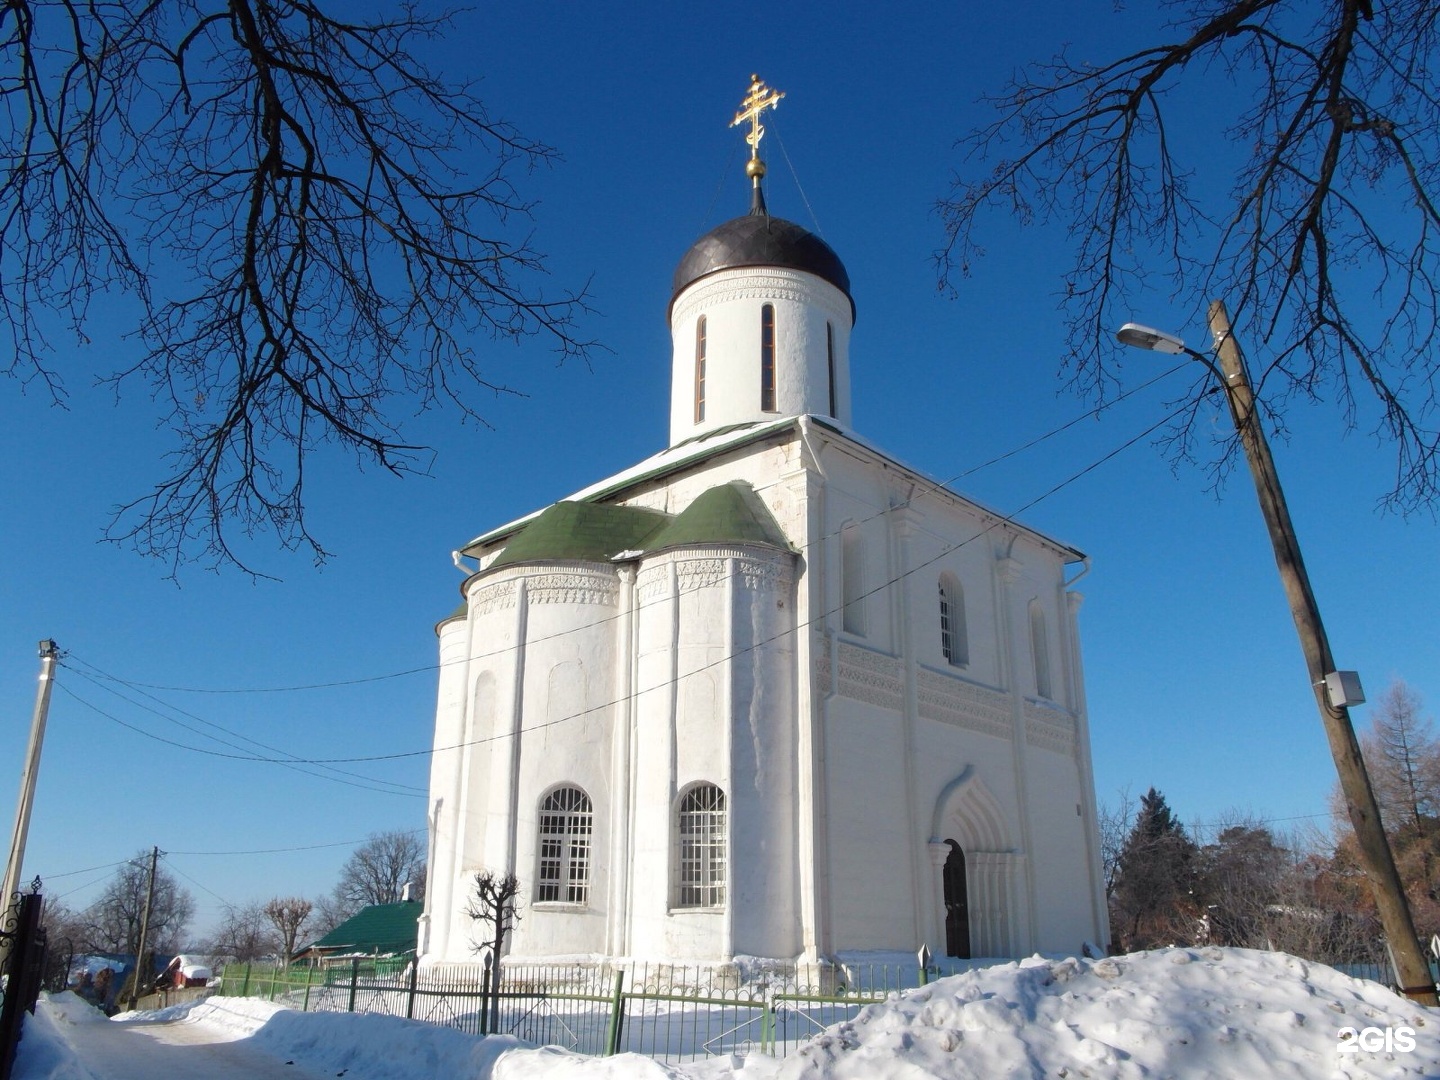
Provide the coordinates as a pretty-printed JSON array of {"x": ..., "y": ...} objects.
[{"x": 1195, "y": 680}]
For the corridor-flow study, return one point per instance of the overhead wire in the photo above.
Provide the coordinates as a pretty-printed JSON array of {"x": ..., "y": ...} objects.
[
  {"x": 357, "y": 780},
  {"x": 999, "y": 520},
  {"x": 929, "y": 488}
]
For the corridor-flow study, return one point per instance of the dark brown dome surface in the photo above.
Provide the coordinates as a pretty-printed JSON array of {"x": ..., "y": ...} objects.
[{"x": 757, "y": 239}]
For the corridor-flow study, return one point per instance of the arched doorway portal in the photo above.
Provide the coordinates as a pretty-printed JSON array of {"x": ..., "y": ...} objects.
[{"x": 957, "y": 904}]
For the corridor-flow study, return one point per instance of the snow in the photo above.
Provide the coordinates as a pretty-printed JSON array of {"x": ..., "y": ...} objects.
[{"x": 1184, "y": 1014}]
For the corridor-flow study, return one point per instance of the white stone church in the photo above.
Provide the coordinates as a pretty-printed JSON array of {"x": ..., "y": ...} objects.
[{"x": 768, "y": 692}]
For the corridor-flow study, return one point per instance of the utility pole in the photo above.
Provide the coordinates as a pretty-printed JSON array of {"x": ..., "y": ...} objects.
[
  {"x": 1416, "y": 981},
  {"x": 140, "y": 969},
  {"x": 49, "y": 655}
]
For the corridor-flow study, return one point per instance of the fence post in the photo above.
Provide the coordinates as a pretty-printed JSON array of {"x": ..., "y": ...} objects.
[
  {"x": 615, "y": 1031},
  {"x": 487, "y": 966},
  {"x": 767, "y": 1024},
  {"x": 309, "y": 978},
  {"x": 354, "y": 981},
  {"x": 414, "y": 979}
]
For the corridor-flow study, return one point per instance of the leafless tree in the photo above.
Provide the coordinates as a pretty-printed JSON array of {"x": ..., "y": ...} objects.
[
  {"x": 379, "y": 869},
  {"x": 1325, "y": 247},
  {"x": 112, "y": 923},
  {"x": 1403, "y": 759},
  {"x": 314, "y": 226},
  {"x": 288, "y": 916},
  {"x": 243, "y": 934},
  {"x": 1116, "y": 820},
  {"x": 329, "y": 913},
  {"x": 493, "y": 906}
]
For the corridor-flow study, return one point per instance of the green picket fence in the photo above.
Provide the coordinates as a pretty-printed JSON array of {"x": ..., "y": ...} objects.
[{"x": 668, "y": 1012}]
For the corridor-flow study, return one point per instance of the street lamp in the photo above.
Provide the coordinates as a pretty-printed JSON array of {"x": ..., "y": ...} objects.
[{"x": 1334, "y": 690}]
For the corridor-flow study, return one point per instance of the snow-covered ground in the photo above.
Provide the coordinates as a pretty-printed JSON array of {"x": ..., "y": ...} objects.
[{"x": 1183, "y": 1014}]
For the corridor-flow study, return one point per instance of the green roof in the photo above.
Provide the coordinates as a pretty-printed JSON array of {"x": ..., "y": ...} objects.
[
  {"x": 729, "y": 514},
  {"x": 584, "y": 532},
  {"x": 379, "y": 928},
  {"x": 597, "y": 532}
]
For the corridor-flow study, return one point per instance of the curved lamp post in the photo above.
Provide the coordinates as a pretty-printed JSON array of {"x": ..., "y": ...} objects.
[{"x": 1334, "y": 690}]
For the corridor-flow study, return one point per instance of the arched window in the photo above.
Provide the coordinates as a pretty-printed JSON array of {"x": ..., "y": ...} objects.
[
  {"x": 852, "y": 580},
  {"x": 954, "y": 637},
  {"x": 767, "y": 358},
  {"x": 830, "y": 363},
  {"x": 1040, "y": 649},
  {"x": 701, "y": 828},
  {"x": 566, "y": 824},
  {"x": 700, "y": 369}
]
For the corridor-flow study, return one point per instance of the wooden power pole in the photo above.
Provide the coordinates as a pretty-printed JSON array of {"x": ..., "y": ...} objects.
[
  {"x": 140, "y": 969},
  {"x": 1416, "y": 981}
]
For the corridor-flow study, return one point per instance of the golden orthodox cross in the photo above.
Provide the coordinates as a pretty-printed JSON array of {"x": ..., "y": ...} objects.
[{"x": 760, "y": 98}]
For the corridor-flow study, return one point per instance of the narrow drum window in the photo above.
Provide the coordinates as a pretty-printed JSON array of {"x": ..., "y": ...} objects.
[
  {"x": 767, "y": 358},
  {"x": 700, "y": 369},
  {"x": 954, "y": 638},
  {"x": 830, "y": 363},
  {"x": 566, "y": 825},
  {"x": 1040, "y": 649},
  {"x": 852, "y": 581},
  {"x": 702, "y": 847}
]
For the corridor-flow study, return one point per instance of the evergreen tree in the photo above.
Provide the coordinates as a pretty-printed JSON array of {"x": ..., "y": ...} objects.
[{"x": 1153, "y": 902}]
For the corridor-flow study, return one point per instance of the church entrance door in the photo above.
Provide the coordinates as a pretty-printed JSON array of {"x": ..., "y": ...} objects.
[{"x": 957, "y": 904}]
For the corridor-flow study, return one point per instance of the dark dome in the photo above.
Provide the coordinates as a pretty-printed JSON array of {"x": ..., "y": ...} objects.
[{"x": 760, "y": 240}]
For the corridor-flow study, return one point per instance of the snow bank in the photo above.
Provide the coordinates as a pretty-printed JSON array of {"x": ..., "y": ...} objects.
[
  {"x": 45, "y": 1053},
  {"x": 1175, "y": 1013},
  {"x": 1181, "y": 1014}
]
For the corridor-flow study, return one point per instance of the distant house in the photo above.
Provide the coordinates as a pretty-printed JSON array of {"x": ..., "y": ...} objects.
[
  {"x": 379, "y": 929},
  {"x": 184, "y": 972}
]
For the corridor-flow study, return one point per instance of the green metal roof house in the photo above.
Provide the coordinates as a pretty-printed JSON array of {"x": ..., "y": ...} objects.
[{"x": 377, "y": 929}]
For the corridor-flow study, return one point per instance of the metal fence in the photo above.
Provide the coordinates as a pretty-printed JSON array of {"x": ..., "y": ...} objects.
[{"x": 668, "y": 1012}]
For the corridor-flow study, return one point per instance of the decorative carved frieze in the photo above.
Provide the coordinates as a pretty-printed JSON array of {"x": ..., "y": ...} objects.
[
  {"x": 955, "y": 701},
  {"x": 758, "y": 284},
  {"x": 652, "y": 583},
  {"x": 865, "y": 676},
  {"x": 494, "y": 596},
  {"x": 696, "y": 574},
  {"x": 754, "y": 570},
  {"x": 574, "y": 587},
  {"x": 1049, "y": 728}
]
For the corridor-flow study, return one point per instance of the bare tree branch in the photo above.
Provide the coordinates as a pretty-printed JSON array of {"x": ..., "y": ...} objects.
[
  {"x": 1326, "y": 246},
  {"x": 282, "y": 191}
]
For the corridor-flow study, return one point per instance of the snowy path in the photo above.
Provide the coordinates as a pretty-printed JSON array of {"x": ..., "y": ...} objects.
[{"x": 146, "y": 1050}]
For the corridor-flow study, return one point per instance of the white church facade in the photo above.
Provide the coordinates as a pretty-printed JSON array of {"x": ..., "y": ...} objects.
[{"x": 768, "y": 692}]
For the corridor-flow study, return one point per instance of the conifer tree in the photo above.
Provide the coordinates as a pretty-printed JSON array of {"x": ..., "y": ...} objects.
[{"x": 1153, "y": 902}]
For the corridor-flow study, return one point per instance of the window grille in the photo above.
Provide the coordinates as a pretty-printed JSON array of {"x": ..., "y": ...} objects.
[
  {"x": 566, "y": 825},
  {"x": 702, "y": 847},
  {"x": 954, "y": 638}
]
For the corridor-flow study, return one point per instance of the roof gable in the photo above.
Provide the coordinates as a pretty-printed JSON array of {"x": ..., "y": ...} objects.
[
  {"x": 385, "y": 928},
  {"x": 582, "y": 531},
  {"x": 729, "y": 513}
]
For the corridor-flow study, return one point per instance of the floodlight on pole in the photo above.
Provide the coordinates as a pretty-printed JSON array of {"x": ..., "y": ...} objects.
[
  {"x": 1147, "y": 337},
  {"x": 1334, "y": 691}
]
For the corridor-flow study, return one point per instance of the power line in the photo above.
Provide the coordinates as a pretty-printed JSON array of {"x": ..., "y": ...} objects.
[
  {"x": 288, "y": 850},
  {"x": 288, "y": 761},
  {"x": 369, "y": 783},
  {"x": 931, "y": 488},
  {"x": 1000, "y": 520}
]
